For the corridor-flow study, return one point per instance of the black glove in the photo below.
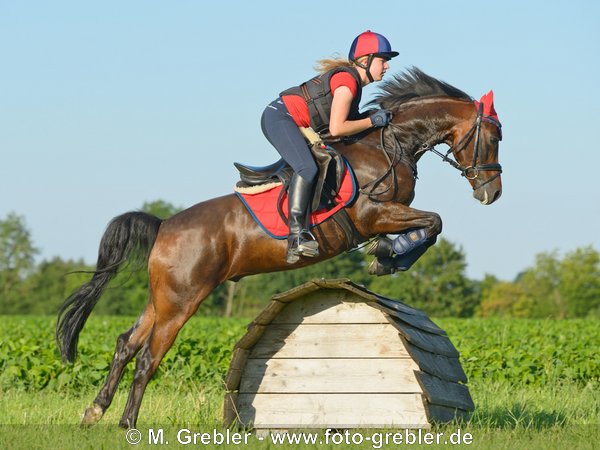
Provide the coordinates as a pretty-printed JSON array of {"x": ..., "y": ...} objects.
[{"x": 381, "y": 118}]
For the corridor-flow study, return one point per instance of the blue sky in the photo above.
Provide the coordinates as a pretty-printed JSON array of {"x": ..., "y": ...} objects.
[{"x": 106, "y": 105}]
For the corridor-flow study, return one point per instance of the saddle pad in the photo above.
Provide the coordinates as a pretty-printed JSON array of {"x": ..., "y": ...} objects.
[{"x": 264, "y": 211}]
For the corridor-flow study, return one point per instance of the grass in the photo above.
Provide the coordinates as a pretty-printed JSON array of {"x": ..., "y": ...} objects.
[
  {"x": 534, "y": 383},
  {"x": 563, "y": 416}
]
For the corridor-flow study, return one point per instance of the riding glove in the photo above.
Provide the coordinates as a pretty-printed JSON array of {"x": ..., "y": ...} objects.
[{"x": 381, "y": 118}]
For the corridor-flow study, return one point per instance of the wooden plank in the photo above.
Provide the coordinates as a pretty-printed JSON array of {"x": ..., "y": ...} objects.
[
  {"x": 322, "y": 284},
  {"x": 330, "y": 376},
  {"x": 269, "y": 313},
  {"x": 357, "y": 291},
  {"x": 296, "y": 292},
  {"x": 445, "y": 393},
  {"x": 238, "y": 358},
  {"x": 329, "y": 307},
  {"x": 251, "y": 337},
  {"x": 285, "y": 411},
  {"x": 433, "y": 343},
  {"x": 439, "y": 414},
  {"x": 439, "y": 365},
  {"x": 329, "y": 341},
  {"x": 230, "y": 413},
  {"x": 333, "y": 283},
  {"x": 236, "y": 367}
]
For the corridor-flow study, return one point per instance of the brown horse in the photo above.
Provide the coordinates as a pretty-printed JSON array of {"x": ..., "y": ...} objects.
[{"x": 194, "y": 251}]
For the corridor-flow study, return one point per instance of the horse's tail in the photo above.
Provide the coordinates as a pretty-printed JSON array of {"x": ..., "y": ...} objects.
[{"x": 130, "y": 234}]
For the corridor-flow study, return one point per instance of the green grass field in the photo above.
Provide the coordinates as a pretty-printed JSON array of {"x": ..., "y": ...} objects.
[{"x": 535, "y": 385}]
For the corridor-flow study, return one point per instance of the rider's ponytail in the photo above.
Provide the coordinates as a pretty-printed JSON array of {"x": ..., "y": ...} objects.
[{"x": 327, "y": 64}]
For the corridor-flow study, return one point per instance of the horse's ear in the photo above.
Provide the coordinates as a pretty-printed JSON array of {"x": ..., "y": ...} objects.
[
  {"x": 488, "y": 99},
  {"x": 488, "y": 105}
]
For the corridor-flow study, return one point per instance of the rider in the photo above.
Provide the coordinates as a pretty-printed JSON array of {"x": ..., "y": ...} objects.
[{"x": 329, "y": 103}]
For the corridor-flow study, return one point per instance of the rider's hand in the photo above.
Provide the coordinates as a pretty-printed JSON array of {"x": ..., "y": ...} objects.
[{"x": 381, "y": 118}]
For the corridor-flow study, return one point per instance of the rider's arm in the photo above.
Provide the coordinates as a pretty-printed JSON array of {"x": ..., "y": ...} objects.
[{"x": 339, "y": 125}]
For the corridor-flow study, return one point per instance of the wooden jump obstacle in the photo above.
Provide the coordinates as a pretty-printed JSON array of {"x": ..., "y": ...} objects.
[{"x": 331, "y": 354}]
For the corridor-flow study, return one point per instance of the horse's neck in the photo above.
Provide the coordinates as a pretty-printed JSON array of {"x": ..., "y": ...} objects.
[
  {"x": 418, "y": 123},
  {"x": 426, "y": 123}
]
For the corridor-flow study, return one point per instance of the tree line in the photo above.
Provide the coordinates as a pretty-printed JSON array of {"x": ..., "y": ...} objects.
[{"x": 555, "y": 286}]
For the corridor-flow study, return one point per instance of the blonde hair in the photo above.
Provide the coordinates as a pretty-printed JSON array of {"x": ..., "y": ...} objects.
[{"x": 327, "y": 64}]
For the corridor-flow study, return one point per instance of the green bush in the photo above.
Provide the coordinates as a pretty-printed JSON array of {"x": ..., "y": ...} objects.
[{"x": 525, "y": 351}]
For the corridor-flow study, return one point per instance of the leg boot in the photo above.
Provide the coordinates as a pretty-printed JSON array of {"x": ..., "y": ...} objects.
[
  {"x": 301, "y": 242},
  {"x": 404, "y": 243}
]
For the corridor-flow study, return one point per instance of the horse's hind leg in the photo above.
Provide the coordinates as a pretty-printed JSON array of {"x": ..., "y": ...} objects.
[
  {"x": 169, "y": 319},
  {"x": 128, "y": 344}
]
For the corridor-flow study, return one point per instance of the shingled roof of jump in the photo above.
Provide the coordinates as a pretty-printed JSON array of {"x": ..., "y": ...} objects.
[{"x": 332, "y": 354}]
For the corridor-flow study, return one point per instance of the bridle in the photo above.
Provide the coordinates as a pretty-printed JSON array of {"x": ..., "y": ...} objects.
[{"x": 469, "y": 172}]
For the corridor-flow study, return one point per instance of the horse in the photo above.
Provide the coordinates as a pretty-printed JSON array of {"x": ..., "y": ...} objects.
[{"x": 195, "y": 250}]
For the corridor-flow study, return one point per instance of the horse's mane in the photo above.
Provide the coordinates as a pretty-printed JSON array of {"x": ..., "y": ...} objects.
[{"x": 413, "y": 84}]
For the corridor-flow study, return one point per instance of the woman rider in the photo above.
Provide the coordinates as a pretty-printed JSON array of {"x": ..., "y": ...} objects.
[{"x": 328, "y": 102}]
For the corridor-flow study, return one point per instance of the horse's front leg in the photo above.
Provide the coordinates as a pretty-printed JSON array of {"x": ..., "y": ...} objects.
[
  {"x": 417, "y": 231},
  {"x": 394, "y": 218}
]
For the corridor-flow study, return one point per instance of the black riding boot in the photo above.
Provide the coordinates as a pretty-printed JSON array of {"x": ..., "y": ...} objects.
[{"x": 301, "y": 242}]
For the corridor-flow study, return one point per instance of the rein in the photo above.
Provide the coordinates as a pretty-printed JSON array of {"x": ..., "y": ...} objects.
[{"x": 390, "y": 170}]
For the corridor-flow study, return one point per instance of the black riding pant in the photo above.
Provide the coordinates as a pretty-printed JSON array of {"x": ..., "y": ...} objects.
[{"x": 282, "y": 132}]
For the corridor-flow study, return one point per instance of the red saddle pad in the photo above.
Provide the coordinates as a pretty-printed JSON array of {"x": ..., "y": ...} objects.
[{"x": 263, "y": 206}]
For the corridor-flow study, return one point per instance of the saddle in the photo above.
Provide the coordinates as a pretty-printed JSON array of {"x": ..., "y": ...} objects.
[
  {"x": 263, "y": 190},
  {"x": 330, "y": 164}
]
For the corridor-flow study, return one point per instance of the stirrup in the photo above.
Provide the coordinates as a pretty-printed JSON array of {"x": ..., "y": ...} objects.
[
  {"x": 307, "y": 244},
  {"x": 300, "y": 246}
]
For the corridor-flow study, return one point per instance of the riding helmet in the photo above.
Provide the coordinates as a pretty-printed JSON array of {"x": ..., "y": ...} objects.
[{"x": 371, "y": 43}]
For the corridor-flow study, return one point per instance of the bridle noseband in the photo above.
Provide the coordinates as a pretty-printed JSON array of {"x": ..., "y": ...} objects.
[{"x": 470, "y": 172}]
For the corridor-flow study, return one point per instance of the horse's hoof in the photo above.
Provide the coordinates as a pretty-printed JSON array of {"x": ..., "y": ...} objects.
[
  {"x": 92, "y": 415},
  {"x": 381, "y": 247},
  {"x": 126, "y": 424},
  {"x": 381, "y": 266}
]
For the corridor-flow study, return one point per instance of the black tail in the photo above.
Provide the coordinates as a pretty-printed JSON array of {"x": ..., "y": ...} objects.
[{"x": 132, "y": 233}]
